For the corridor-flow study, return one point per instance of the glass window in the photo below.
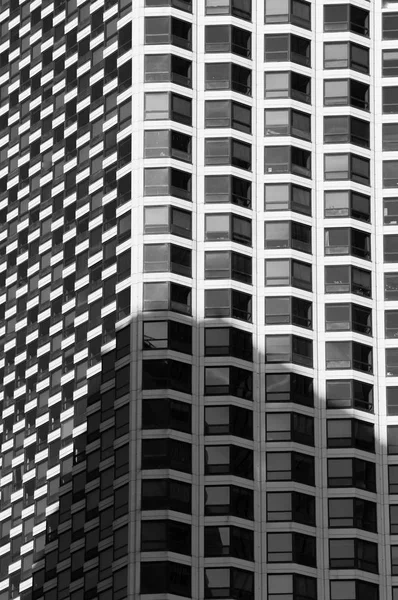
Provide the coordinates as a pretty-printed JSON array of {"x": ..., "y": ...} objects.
[
  {"x": 391, "y": 286},
  {"x": 390, "y": 173},
  {"x": 390, "y": 63},
  {"x": 390, "y": 211},
  {"x": 390, "y": 136},
  {"x": 390, "y": 100},
  {"x": 392, "y": 401}
]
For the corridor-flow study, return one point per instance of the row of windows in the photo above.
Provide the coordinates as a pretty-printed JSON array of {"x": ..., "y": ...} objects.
[
  {"x": 278, "y": 160},
  {"x": 277, "y": 197}
]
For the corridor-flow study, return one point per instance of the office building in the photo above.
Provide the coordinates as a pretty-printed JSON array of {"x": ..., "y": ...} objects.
[{"x": 200, "y": 248}]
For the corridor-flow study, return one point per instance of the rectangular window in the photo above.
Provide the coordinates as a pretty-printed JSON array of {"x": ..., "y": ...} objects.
[
  {"x": 390, "y": 26},
  {"x": 390, "y": 100},
  {"x": 347, "y": 166},
  {"x": 346, "y": 203},
  {"x": 228, "y": 76},
  {"x": 283, "y": 122},
  {"x": 296, "y": 12},
  {"x": 351, "y": 472},
  {"x": 353, "y": 513},
  {"x": 242, "y": 9},
  {"x": 346, "y": 55},
  {"x": 226, "y": 113},
  {"x": 228, "y": 38},
  {"x": 390, "y": 173},
  {"x": 346, "y": 92},
  {"x": 346, "y": 17},
  {"x": 390, "y": 63},
  {"x": 227, "y": 188},
  {"x": 284, "y": 310},
  {"x": 285, "y": 196},
  {"x": 287, "y": 47},
  {"x": 353, "y": 554},
  {"x": 291, "y": 506},
  {"x": 168, "y": 67},
  {"x": 287, "y": 159},
  {"x": 289, "y": 387},
  {"x": 228, "y": 151}
]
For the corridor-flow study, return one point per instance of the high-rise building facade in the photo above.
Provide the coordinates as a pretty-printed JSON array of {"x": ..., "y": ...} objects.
[{"x": 199, "y": 278}]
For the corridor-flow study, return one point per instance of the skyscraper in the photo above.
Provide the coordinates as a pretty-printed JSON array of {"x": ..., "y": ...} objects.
[{"x": 199, "y": 257}]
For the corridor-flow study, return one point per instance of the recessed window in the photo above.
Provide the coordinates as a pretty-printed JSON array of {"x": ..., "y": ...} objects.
[
  {"x": 390, "y": 136},
  {"x": 291, "y": 547},
  {"x": 185, "y": 5},
  {"x": 390, "y": 173},
  {"x": 348, "y": 317},
  {"x": 283, "y": 122},
  {"x": 229, "y": 582},
  {"x": 160, "y": 258},
  {"x": 346, "y": 17},
  {"x": 343, "y": 130},
  {"x": 345, "y": 240},
  {"x": 291, "y": 506},
  {"x": 227, "y": 113},
  {"x": 296, "y": 12},
  {"x": 168, "y": 67},
  {"x": 167, "y": 105},
  {"x": 288, "y": 348},
  {"x": 349, "y": 355},
  {"x": 346, "y": 55},
  {"x": 286, "y": 585},
  {"x": 163, "y": 335},
  {"x": 345, "y": 279},
  {"x": 289, "y": 387},
  {"x": 229, "y": 500},
  {"x": 163, "y": 494},
  {"x": 353, "y": 512},
  {"x": 167, "y": 296},
  {"x": 228, "y": 303},
  {"x": 168, "y": 30},
  {"x": 228, "y": 341},
  {"x": 227, "y": 189},
  {"x": 166, "y": 374},
  {"x": 172, "y": 536},
  {"x": 390, "y": 248},
  {"x": 346, "y": 92},
  {"x": 228, "y": 38},
  {"x": 286, "y": 310},
  {"x": 286, "y": 196},
  {"x": 390, "y": 63},
  {"x": 171, "y": 578},
  {"x": 287, "y": 159},
  {"x": 350, "y": 433},
  {"x": 283, "y": 272},
  {"x": 228, "y": 151},
  {"x": 167, "y": 219},
  {"x": 229, "y": 541},
  {"x": 287, "y": 84},
  {"x": 390, "y": 211},
  {"x": 390, "y": 26},
  {"x": 391, "y": 362},
  {"x": 287, "y": 47},
  {"x": 167, "y": 143},
  {"x": 228, "y": 76},
  {"x": 233, "y": 381},
  {"x": 351, "y": 472},
  {"x": 229, "y": 420},
  {"x": 353, "y": 554},
  {"x": 391, "y": 286},
  {"x": 228, "y": 265},
  {"x": 390, "y": 100},
  {"x": 346, "y": 203},
  {"x": 226, "y": 226},
  {"x": 289, "y": 427},
  {"x": 166, "y": 453},
  {"x": 229, "y": 460},
  {"x": 242, "y": 9},
  {"x": 165, "y": 182},
  {"x": 347, "y": 167},
  {"x": 287, "y": 234}
]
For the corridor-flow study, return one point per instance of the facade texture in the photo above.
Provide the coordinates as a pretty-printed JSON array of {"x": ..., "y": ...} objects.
[{"x": 199, "y": 300}]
